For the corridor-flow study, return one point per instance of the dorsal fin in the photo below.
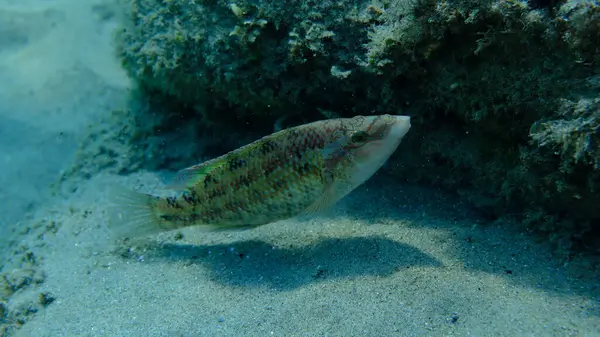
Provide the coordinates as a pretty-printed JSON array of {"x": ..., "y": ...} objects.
[{"x": 190, "y": 176}]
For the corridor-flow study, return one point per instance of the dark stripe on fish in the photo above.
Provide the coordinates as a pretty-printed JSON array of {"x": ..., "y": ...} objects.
[
  {"x": 279, "y": 184},
  {"x": 208, "y": 179},
  {"x": 188, "y": 218},
  {"x": 270, "y": 166},
  {"x": 216, "y": 192},
  {"x": 244, "y": 181},
  {"x": 304, "y": 169},
  {"x": 191, "y": 198},
  {"x": 235, "y": 163},
  {"x": 268, "y": 146},
  {"x": 174, "y": 203}
]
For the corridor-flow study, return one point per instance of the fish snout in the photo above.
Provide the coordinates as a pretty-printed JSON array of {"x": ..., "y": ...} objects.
[{"x": 400, "y": 126}]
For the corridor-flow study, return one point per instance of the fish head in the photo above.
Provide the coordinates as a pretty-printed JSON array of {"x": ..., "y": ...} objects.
[
  {"x": 370, "y": 141},
  {"x": 376, "y": 131},
  {"x": 355, "y": 149}
]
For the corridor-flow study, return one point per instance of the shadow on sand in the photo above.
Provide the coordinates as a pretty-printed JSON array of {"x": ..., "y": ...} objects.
[
  {"x": 257, "y": 263},
  {"x": 494, "y": 249},
  {"x": 500, "y": 248}
]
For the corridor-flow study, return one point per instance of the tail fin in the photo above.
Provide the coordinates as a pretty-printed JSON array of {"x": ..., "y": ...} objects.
[{"x": 132, "y": 214}]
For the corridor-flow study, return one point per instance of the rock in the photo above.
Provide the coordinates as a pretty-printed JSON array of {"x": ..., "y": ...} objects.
[{"x": 46, "y": 298}]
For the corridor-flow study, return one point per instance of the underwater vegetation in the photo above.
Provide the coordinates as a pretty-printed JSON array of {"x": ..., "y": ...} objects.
[{"x": 503, "y": 95}]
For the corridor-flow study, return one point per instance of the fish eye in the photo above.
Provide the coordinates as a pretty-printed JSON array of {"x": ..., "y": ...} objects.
[{"x": 359, "y": 137}]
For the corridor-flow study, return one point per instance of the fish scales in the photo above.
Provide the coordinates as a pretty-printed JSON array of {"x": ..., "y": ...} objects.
[
  {"x": 285, "y": 174},
  {"x": 274, "y": 178}
]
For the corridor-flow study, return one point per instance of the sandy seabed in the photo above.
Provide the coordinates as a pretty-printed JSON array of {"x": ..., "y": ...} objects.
[{"x": 389, "y": 260}]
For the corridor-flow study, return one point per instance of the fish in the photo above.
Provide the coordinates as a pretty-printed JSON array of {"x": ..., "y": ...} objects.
[{"x": 297, "y": 171}]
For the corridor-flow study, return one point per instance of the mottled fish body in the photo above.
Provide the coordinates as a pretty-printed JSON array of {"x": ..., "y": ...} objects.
[{"x": 295, "y": 171}]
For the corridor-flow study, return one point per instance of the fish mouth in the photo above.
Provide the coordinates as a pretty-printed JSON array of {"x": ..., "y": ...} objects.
[
  {"x": 400, "y": 125},
  {"x": 386, "y": 128},
  {"x": 391, "y": 129}
]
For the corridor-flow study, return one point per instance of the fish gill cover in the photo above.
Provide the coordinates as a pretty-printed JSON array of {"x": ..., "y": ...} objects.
[{"x": 503, "y": 95}]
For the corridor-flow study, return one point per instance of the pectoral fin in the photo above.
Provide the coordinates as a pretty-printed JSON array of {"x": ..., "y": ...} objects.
[{"x": 333, "y": 191}]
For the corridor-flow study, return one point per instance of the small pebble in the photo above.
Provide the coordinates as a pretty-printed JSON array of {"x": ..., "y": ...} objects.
[{"x": 46, "y": 298}]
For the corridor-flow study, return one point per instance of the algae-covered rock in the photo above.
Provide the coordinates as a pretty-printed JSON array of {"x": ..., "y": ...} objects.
[
  {"x": 503, "y": 94},
  {"x": 245, "y": 61},
  {"x": 501, "y": 73}
]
